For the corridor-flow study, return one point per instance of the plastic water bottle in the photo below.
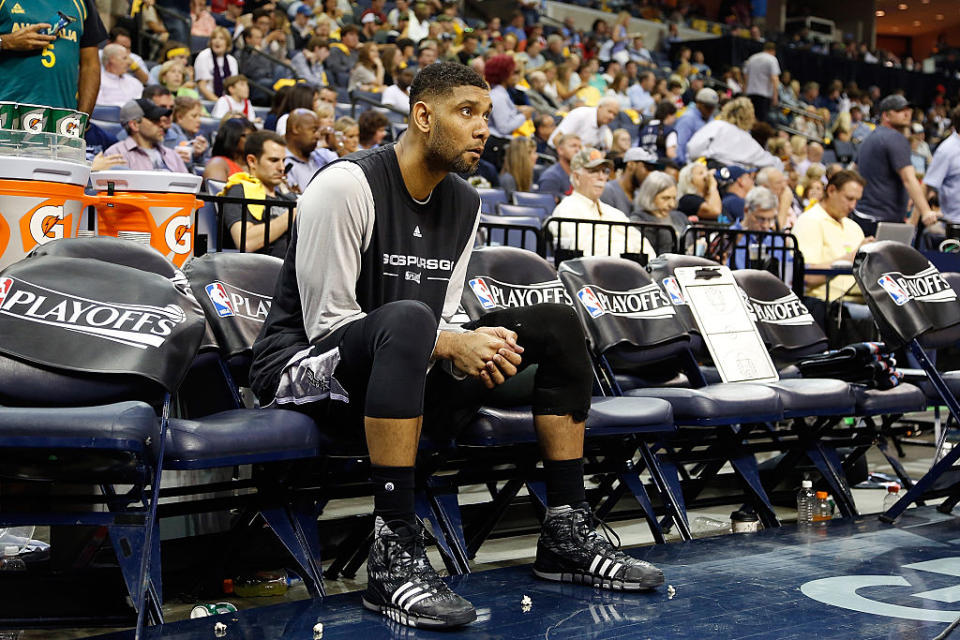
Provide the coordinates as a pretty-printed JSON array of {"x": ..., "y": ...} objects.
[
  {"x": 705, "y": 526},
  {"x": 892, "y": 497},
  {"x": 17, "y": 537},
  {"x": 10, "y": 561},
  {"x": 824, "y": 509},
  {"x": 261, "y": 583},
  {"x": 806, "y": 502}
]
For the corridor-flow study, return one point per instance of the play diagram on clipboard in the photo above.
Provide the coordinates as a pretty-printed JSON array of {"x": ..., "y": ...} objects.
[{"x": 725, "y": 323}]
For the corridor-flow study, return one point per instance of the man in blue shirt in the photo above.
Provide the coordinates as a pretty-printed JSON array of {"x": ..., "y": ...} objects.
[
  {"x": 639, "y": 93},
  {"x": 556, "y": 179},
  {"x": 943, "y": 175},
  {"x": 760, "y": 215},
  {"x": 696, "y": 115},
  {"x": 738, "y": 181}
]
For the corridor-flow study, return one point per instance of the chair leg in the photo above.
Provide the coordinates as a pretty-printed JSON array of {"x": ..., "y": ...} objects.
[
  {"x": 631, "y": 478},
  {"x": 425, "y": 512},
  {"x": 921, "y": 486},
  {"x": 830, "y": 467},
  {"x": 282, "y": 525},
  {"x": 664, "y": 476},
  {"x": 496, "y": 510},
  {"x": 444, "y": 501}
]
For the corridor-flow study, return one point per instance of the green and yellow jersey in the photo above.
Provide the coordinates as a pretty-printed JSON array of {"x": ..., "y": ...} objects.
[{"x": 47, "y": 77}]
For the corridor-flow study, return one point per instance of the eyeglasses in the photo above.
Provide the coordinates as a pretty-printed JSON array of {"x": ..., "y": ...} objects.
[{"x": 602, "y": 170}]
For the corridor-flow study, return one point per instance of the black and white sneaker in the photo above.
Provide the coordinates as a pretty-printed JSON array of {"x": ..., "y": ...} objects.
[
  {"x": 403, "y": 586},
  {"x": 571, "y": 550}
]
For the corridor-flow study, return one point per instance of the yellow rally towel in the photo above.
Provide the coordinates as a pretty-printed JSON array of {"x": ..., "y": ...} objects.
[
  {"x": 633, "y": 115},
  {"x": 253, "y": 189},
  {"x": 525, "y": 130}
]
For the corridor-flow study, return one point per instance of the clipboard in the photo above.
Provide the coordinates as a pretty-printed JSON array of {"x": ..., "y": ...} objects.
[{"x": 725, "y": 322}]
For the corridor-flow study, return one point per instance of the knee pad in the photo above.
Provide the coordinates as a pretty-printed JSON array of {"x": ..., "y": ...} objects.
[{"x": 408, "y": 327}]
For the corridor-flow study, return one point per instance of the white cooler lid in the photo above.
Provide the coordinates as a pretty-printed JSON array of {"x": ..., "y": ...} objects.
[
  {"x": 45, "y": 169},
  {"x": 149, "y": 181}
]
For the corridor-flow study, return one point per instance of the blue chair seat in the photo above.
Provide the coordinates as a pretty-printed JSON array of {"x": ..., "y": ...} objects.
[
  {"x": 718, "y": 403},
  {"x": 496, "y": 426},
  {"x": 814, "y": 396},
  {"x": 952, "y": 378},
  {"x": 901, "y": 399},
  {"x": 240, "y": 436},
  {"x": 126, "y": 426}
]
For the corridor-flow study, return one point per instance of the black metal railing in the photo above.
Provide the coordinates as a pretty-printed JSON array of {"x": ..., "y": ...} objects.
[
  {"x": 504, "y": 234},
  {"x": 576, "y": 237},
  {"x": 201, "y": 245}
]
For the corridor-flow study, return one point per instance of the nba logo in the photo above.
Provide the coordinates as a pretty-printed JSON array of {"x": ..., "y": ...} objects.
[
  {"x": 218, "y": 296},
  {"x": 482, "y": 291},
  {"x": 590, "y": 302},
  {"x": 5, "y": 285},
  {"x": 672, "y": 287},
  {"x": 900, "y": 297}
]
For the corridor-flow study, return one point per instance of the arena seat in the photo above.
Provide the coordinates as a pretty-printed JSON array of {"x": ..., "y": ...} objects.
[
  {"x": 509, "y": 231},
  {"x": 107, "y": 112},
  {"x": 208, "y": 128},
  {"x": 109, "y": 126},
  {"x": 915, "y": 307},
  {"x": 490, "y": 198},
  {"x": 653, "y": 343},
  {"x": 545, "y": 201},
  {"x": 105, "y": 426},
  {"x": 504, "y": 209},
  {"x": 614, "y": 423}
]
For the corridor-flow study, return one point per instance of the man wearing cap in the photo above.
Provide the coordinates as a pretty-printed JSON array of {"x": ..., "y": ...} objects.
[
  {"x": 943, "y": 175},
  {"x": 300, "y": 28},
  {"x": 369, "y": 25},
  {"x": 143, "y": 150},
  {"x": 590, "y": 170},
  {"x": 762, "y": 73},
  {"x": 738, "y": 182},
  {"x": 884, "y": 162},
  {"x": 61, "y": 71},
  {"x": 697, "y": 115},
  {"x": 590, "y": 123},
  {"x": 619, "y": 193},
  {"x": 117, "y": 87}
]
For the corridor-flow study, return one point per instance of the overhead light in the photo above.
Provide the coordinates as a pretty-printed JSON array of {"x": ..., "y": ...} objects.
[
  {"x": 902, "y": 6},
  {"x": 916, "y": 23},
  {"x": 939, "y": 16},
  {"x": 881, "y": 13},
  {"x": 925, "y": 1}
]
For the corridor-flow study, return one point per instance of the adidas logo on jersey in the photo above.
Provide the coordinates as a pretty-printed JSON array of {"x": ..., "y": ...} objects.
[
  {"x": 17, "y": 9},
  {"x": 416, "y": 232}
]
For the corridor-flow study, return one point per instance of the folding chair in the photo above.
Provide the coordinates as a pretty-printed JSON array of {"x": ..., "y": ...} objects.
[
  {"x": 522, "y": 232},
  {"x": 90, "y": 352},
  {"x": 504, "y": 209},
  {"x": 108, "y": 112},
  {"x": 490, "y": 198},
  {"x": 633, "y": 330},
  {"x": 505, "y": 277},
  {"x": 545, "y": 201},
  {"x": 913, "y": 306}
]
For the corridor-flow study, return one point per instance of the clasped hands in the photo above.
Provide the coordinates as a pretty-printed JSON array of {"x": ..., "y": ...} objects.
[{"x": 490, "y": 354}]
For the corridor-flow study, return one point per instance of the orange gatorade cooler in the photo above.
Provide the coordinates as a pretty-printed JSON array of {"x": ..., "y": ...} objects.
[
  {"x": 41, "y": 199},
  {"x": 152, "y": 207}
]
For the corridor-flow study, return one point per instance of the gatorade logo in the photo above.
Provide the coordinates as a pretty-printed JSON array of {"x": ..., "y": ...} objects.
[
  {"x": 46, "y": 224},
  {"x": 69, "y": 126},
  {"x": 177, "y": 234},
  {"x": 33, "y": 122}
]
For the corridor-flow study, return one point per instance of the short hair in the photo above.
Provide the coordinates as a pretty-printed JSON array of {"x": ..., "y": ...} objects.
[
  {"x": 229, "y": 134},
  {"x": 343, "y": 123},
  {"x": 760, "y": 198},
  {"x": 769, "y": 45},
  {"x": 183, "y": 105},
  {"x": 664, "y": 108},
  {"x": 370, "y": 122},
  {"x": 258, "y": 139},
  {"x": 325, "y": 110},
  {"x": 151, "y": 91},
  {"x": 232, "y": 80},
  {"x": 538, "y": 75},
  {"x": 653, "y": 184},
  {"x": 685, "y": 180},
  {"x": 116, "y": 32},
  {"x": 841, "y": 178},
  {"x": 112, "y": 51},
  {"x": 563, "y": 137},
  {"x": 441, "y": 78},
  {"x": 317, "y": 41},
  {"x": 763, "y": 176},
  {"x": 349, "y": 28}
]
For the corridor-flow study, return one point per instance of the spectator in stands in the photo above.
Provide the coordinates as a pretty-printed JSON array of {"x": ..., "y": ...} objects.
[
  {"x": 543, "y": 126},
  {"x": 160, "y": 96},
  {"x": 348, "y": 135},
  {"x": 556, "y": 179},
  {"x": 943, "y": 176},
  {"x": 617, "y": 88},
  {"x": 369, "y": 26},
  {"x": 759, "y": 215},
  {"x": 278, "y": 107},
  {"x": 137, "y": 68},
  {"x": 811, "y": 187},
  {"x": 300, "y": 29},
  {"x": 184, "y": 131},
  {"x": 202, "y": 22},
  {"x": 214, "y": 65},
  {"x": 637, "y": 52},
  {"x": 759, "y": 212},
  {"x": 590, "y": 171},
  {"x": 814, "y": 157},
  {"x": 172, "y": 75},
  {"x": 700, "y": 65},
  {"x": 518, "y": 162},
  {"x": 303, "y": 134},
  {"x": 884, "y": 162},
  {"x": 232, "y": 12},
  {"x": 308, "y": 62},
  {"x": 699, "y": 195},
  {"x": 810, "y": 94},
  {"x": 733, "y": 78},
  {"x": 695, "y": 84},
  {"x": 393, "y": 63},
  {"x": 538, "y": 98},
  {"x": 621, "y": 142},
  {"x": 371, "y": 128},
  {"x": 826, "y": 235},
  {"x": 735, "y": 182},
  {"x": 727, "y": 139},
  {"x": 920, "y": 155},
  {"x": 788, "y": 209},
  {"x": 344, "y": 54},
  {"x": 693, "y": 120},
  {"x": 505, "y": 117},
  {"x": 590, "y": 123},
  {"x": 656, "y": 201},
  {"x": 398, "y": 95},
  {"x": 235, "y": 99},
  {"x": 620, "y": 193},
  {"x": 253, "y": 64},
  {"x": 367, "y": 73},
  {"x": 116, "y": 86},
  {"x": 143, "y": 150},
  {"x": 659, "y": 135},
  {"x": 554, "y": 51},
  {"x": 263, "y": 180},
  {"x": 227, "y": 153},
  {"x": 640, "y": 98},
  {"x": 325, "y": 152},
  {"x": 762, "y": 75},
  {"x": 301, "y": 96},
  {"x": 154, "y": 26}
]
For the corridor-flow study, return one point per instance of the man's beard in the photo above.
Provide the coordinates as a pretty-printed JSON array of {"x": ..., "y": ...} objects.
[{"x": 443, "y": 156}]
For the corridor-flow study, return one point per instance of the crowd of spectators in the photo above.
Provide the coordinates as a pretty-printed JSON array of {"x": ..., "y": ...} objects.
[{"x": 613, "y": 127}]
